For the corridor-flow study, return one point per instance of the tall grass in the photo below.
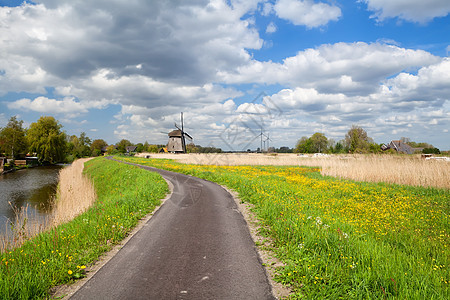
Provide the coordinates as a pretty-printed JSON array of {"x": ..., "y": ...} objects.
[
  {"x": 76, "y": 193},
  {"x": 25, "y": 225},
  {"x": 62, "y": 254},
  {"x": 341, "y": 239},
  {"x": 400, "y": 169}
]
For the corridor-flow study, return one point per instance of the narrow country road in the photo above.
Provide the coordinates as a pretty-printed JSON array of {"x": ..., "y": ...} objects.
[{"x": 196, "y": 246}]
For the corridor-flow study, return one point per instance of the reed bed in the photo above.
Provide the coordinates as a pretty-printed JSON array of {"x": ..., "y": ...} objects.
[
  {"x": 399, "y": 169},
  {"x": 25, "y": 224},
  {"x": 75, "y": 194}
]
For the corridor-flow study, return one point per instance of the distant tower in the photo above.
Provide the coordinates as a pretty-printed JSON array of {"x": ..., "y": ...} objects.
[{"x": 177, "y": 141}]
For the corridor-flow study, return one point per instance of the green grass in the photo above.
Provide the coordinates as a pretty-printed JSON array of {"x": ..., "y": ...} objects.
[
  {"x": 341, "y": 239},
  {"x": 125, "y": 195}
]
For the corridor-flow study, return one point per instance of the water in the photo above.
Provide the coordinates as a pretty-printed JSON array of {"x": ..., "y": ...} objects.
[{"x": 33, "y": 187}]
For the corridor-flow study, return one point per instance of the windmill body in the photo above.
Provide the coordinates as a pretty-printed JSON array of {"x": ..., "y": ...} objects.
[
  {"x": 177, "y": 139},
  {"x": 175, "y": 143}
]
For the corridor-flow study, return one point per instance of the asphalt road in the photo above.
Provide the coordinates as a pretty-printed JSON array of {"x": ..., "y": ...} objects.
[{"x": 196, "y": 246}]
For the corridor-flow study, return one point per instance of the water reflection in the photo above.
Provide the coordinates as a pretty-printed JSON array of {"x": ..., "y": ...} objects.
[{"x": 34, "y": 187}]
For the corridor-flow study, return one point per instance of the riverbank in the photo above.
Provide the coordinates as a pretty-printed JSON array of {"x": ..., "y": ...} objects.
[
  {"x": 58, "y": 204},
  {"x": 125, "y": 194}
]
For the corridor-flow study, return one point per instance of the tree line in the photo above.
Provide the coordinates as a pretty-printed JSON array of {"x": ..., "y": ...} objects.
[
  {"x": 46, "y": 140},
  {"x": 356, "y": 140}
]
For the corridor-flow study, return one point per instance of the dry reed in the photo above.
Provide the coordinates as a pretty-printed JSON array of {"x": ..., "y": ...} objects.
[
  {"x": 75, "y": 194},
  {"x": 399, "y": 169}
]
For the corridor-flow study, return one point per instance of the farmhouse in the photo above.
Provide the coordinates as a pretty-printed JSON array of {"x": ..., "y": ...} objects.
[
  {"x": 130, "y": 149},
  {"x": 401, "y": 147}
]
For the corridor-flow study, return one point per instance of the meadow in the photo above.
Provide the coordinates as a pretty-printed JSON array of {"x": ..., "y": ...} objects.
[
  {"x": 342, "y": 239},
  {"x": 63, "y": 253}
]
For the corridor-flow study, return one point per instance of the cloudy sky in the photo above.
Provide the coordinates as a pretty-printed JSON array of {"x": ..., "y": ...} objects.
[{"x": 126, "y": 69}]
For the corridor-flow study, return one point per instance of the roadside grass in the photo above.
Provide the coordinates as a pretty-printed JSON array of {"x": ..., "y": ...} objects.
[
  {"x": 341, "y": 239},
  {"x": 125, "y": 195}
]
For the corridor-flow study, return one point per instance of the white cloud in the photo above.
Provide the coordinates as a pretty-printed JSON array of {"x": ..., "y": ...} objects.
[
  {"x": 431, "y": 84},
  {"x": 66, "y": 40},
  {"x": 271, "y": 28},
  {"x": 307, "y": 12},
  {"x": 267, "y": 9},
  {"x": 410, "y": 10},
  {"x": 67, "y": 106},
  {"x": 350, "y": 68}
]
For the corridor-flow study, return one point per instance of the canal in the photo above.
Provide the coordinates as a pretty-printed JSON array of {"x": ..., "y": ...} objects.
[{"x": 32, "y": 187}]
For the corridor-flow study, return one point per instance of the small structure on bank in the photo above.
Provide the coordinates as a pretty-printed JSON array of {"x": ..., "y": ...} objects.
[{"x": 177, "y": 139}]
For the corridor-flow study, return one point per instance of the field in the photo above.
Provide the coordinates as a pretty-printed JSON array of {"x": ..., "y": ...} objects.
[
  {"x": 342, "y": 239},
  {"x": 64, "y": 253},
  {"x": 337, "y": 238},
  {"x": 400, "y": 169}
]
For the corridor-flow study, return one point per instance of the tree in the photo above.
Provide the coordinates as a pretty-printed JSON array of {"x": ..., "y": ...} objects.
[
  {"x": 111, "y": 150},
  {"x": 356, "y": 140},
  {"x": 97, "y": 146},
  {"x": 152, "y": 148},
  {"x": 319, "y": 143},
  {"x": 47, "y": 140},
  {"x": 12, "y": 138},
  {"x": 431, "y": 150},
  {"x": 303, "y": 145},
  {"x": 122, "y": 145},
  {"x": 79, "y": 146},
  {"x": 191, "y": 148},
  {"x": 339, "y": 147},
  {"x": 139, "y": 147},
  {"x": 284, "y": 149},
  {"x": 146, "y": 146}
]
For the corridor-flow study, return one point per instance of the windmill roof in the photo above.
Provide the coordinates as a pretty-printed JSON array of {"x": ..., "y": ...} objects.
[{"x": 175, "y": 133}]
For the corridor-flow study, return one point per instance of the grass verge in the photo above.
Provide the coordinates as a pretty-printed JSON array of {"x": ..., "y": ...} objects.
[
  {"x": 125, "y": 195},
  {"x": 341, "y": 239}
]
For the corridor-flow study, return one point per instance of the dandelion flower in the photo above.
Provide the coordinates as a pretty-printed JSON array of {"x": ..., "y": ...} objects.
[{"x": 70, "y": 272}]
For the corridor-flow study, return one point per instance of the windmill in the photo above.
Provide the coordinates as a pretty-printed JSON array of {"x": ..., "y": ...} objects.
[
  {"x": 177, "y": 139},
  {"x": 267, "y": 140}
]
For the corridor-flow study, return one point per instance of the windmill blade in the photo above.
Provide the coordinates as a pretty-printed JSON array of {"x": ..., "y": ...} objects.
[
  {"x": 177, "y": 127},
  {"x": 188, "y": 136}
]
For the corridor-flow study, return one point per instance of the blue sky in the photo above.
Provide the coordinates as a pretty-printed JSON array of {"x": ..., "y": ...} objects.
[{"x": 121, "y": 69}]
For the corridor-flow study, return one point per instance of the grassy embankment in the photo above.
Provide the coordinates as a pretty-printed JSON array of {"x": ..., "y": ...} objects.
[
  {"x": 60, "y": 255},
  {"x": 341, "y": 239}
]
